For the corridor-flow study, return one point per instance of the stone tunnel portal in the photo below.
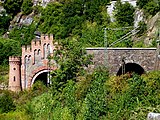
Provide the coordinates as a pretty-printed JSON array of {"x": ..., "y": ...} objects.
[
  {"x": 42, "y": 76},
  {"x": 130, "y": 68}
]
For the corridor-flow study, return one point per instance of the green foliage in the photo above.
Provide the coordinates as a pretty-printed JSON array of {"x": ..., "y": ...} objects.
[
  {"x": 23, "y": 34},
  {"x": 92, "y": 35},
  {"x": 27, "y": 7},
  {"x": 14, "y": 116},
  {"x": 8, "y": 48},
  {"x": 95, "y": 96},
  {"x": 124, "y": 13},
  {"x": 6, "y": 102},
  {"x": 4, "y": 22},
  {"x": 37, "y": 9},
  {"x": 114, "y": 35},
  {"x": 95, "y": 102},
  {"x": 12, "y": 7},
  {"x": 51, "y": 19},
  {"x": 142, "y": 3},
  {"x": 139, "y": 44},
  {"x": 40, "y": 107},
  {"x": 39, "y": 86},
  {"x": 75, "y": 93},
  {"x": 66, "y": 18},
  {"x": 71, "y": 59},
  {"x": 132, "y": 96},
  {"x": 142, "y": 27},
  {"x": 152, "y": 8}
]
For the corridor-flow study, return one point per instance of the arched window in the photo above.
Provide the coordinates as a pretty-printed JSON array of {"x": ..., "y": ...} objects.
[
  {"x": 48, "y": 49},
  {"x": 35, "y": 56},
  {"x": 45, "y": 51},
  {"x": 39, "y": 52}
]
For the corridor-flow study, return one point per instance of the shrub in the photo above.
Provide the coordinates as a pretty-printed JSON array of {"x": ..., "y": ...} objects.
[
  {"x": 27, "y": 7},
  {"x": 152, "y": 8},
  {"x": 12, "y": 7},
  {"x": 6, "y": 102},
  {"x": 142, "y": 28},
  {"x": 124, "y": 13}
]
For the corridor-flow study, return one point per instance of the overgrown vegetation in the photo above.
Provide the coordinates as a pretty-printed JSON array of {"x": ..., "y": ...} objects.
[
  {"x": 77, "y": 93},
  {"x": 150, "y": 7},
  {"x": 93, "y": 96}
]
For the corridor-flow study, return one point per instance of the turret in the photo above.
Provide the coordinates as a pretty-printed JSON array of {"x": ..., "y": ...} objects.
[{"x": 14, "y": 73}]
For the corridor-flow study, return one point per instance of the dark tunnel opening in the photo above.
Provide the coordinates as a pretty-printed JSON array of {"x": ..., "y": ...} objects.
[
  {"x": 42, "y": 77},
  {"x": 130, "y": 68}
]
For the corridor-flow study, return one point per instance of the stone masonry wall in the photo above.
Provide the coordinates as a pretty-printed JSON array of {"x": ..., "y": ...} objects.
[{"x": 112, "y": 57}]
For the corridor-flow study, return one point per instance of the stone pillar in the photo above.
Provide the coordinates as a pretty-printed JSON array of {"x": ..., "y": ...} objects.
[{"x": 14, "y": 74}]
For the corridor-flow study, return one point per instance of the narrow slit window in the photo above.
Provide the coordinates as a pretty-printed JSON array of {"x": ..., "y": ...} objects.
[{"x": 14, "y": 78}]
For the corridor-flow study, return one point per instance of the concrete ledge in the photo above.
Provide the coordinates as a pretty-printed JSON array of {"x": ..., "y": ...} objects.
[{"x": 103, "y": 48}]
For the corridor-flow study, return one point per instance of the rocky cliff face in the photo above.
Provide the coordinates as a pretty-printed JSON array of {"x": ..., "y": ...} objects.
[
  {"x": 21, "y": 19},
  {"x": 153, "y": 25},
  {"x": 42, "y": 3}
]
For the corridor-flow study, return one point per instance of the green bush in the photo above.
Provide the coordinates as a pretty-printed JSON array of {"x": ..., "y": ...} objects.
[
  {"x": 137, "y": 96},
  {"x": 124, "y": 13},
  {"x": 14, "y": 116},
  {"x": 4, "y": 22},
  {"x": 12, "y": 7},
  {"x": 152, "y": 8},
  {"x": 8, "y": 48},
  {"x": 142, "y": 28},
  {"x": 6, "y": 102},
  {"x": 27, "y": 7},
  {"x": 142, "y": 3}
]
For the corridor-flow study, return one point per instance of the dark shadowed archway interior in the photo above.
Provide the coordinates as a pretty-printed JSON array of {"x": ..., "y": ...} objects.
[
  {"x": 42, "y": 77},
  {"x": 129, "y": 68}
]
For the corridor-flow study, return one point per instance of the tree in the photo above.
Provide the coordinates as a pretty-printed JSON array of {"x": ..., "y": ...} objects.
[
  {"x": 51, "y": 20},
  {"x": 4, "y": 22},
  {"x": 142, "y": 3},
  {"x": 12, "y": 7},
  {"x": 124, "y": 13},
  {"x": 142, "y": 27},
  {"x": 72, "y": 60},
  {"x": 6, "y": 102},
  {"x": 27, "y": 6},
  {"x": 95, "y": 103},
  {"x": 152, "y": 8},
  {"x": 9, "y": 48}
]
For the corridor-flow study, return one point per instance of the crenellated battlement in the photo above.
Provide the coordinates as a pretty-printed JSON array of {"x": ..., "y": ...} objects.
[
  {"x": 34, "y": 57},
  {"x": 14, "y": 59},
  {"x": 47, "y": 37},
  {"x": 26, "y": 48},
  {"x": 38, "y": 44},
  {"x": 35, "y": 43}
]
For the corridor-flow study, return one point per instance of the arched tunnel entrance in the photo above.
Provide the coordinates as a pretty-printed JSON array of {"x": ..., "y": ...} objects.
[
  {"x": 42, "y": 76},
  {"x": 130, "y": 68}
]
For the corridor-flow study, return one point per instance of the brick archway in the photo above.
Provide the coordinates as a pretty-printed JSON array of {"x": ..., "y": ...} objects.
[
  {"x": 36, "y": 75},
  {"x": 37, "y": 72}
]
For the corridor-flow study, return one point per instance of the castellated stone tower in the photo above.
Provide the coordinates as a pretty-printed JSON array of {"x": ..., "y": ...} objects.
[
  {"x": 14, "y": 73},
  {"x": 33, "y": 65}
]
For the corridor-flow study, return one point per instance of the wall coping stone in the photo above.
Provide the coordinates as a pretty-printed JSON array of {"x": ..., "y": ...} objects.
[{"x": 103, "y": 48}]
